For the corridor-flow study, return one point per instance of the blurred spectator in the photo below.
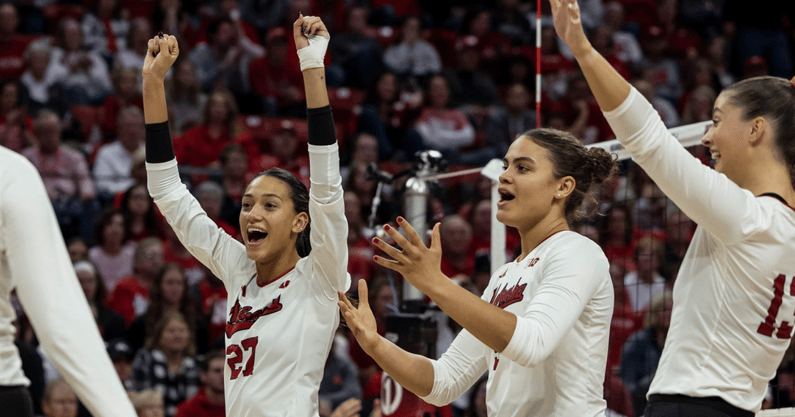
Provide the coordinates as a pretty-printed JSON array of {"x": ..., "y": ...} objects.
[
  {"x": 583, "y": 116},
  {"x": 110, "y": 323},
  {"x": 140, "y": 214},
  {"x": 130, "y": 297},
  {"x": 356, "y": 52},
  {"x": 490, "y": 46},
  {"x": 642, "y": 351},
  {"x": 412, "y": 56},
  {"x": 149, "y": 403},
  {"x": 761, "y": 31},
  {"x": 234, "y": 180},
  {"x": 211, "y": 196},
  {"x": 705, "y": 16},
  {"x": 201, "y": 145},
  {"x": 121, "y": 354},
  {"x": 112, "y": 166},
  {"x": 617, "y": 231},
  {"x": 755, "y": 66},
  {"x": 166, "y": 362},
  {"x": 456, "y": 235},
  {"x": 84, "y": 74},
  {"x": 626, "y": 46},
  {"x": 511, "y": 120},
  {"x": 77, "y": 248},
  {"x": 185, "y": 98},
  {"x": 222, "y": 60},
  {"x": 12, "y": 43},
  {"x": 698, "y": 107},
  {"x": 42, "y": 79},
  {"x": 125, "y": 94},
  {"x": 658, "y": 68},
  {"x": 365, "y": 188},
  {"x": 383, "y": 115},
  {"x": 625, "y": 320},
  {"x": 264, "y": 14},
  {"x": 133, "y": 53},
  {"x": 684, "y": 44},
  {"x": 113, "y": 252},
  {"x": 277, "y": 78},
  {"x": 717, "y": 55},
  {"x": 444, "y": 129},
  {"x": 169, "y": 292},
  {"x": 105, "y": 27},
  {"x": 175, "y": 252},
  {"x": 340, "y": 379},
  {"x": 472, "y": 90},
  {"x": 15, "y": 125},
  {"x": 664, "y": 108},
  {"x": 699, "y": 73},
  {"x": 477, "y": 399},
  {"x": 645, "y": 282},
  {"x": 283, "y": 153},
  {"x": 66, "y": 177},
  {"x": 555, "y": 66},
  {"x": 59, "y": 400},
  {"x": 602, "y": 41},
  {"x": 209, "y": 401},
  {"x": 508, "y": 20},
  {"x": 679, "y": 231},
  {"x": 365, "y": 151}
]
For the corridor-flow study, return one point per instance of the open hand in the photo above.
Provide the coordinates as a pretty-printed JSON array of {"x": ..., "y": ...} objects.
[
  {"x": 568, "y": 25},
  {"x": 418, "y": 264},
  {"x": 360, "y": 320},
  {"x": 349, "y": 408},
  {"x": 160, "y": 55}
]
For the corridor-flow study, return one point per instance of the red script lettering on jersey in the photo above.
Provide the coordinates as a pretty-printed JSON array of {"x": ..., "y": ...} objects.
[
  {"x": 508, "y": 296},
  {"x": 242, "y": 318}
]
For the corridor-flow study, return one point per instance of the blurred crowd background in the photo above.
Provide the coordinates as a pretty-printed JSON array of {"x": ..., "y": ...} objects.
[{"x": 403, "y": 76}]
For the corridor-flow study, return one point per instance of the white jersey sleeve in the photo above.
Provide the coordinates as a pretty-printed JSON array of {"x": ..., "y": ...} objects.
[
  {"x": 201, "y": 236},
  {"x": 459, "y": 368},
  {"x": 708, "y": 197},
  {"x": 328, "y": 231},
  {"x": 33, "y": 258}
]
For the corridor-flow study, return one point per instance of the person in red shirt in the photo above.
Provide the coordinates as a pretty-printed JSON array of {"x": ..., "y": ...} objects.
[
  {"x": 131, "y": 295},
  {"x": 12, "y": 44},
  {"x": 201, "y": 145},
  {"x": 125, "y": 93},
  {"x": 456, "y": 234},
  {"x": 209, "y": 401},
  {"x": 212, "y": 293},
  {"x": 284, "y": 153},
  {"x": 276, "y": 76}
]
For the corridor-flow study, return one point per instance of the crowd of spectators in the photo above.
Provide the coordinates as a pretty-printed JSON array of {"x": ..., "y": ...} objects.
[{"x": 457, "y": 77}]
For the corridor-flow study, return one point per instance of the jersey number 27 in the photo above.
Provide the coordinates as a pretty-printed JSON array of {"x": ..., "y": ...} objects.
[
  {"x": 235, "y": 357},
  {"x": 769, "y": 325}
]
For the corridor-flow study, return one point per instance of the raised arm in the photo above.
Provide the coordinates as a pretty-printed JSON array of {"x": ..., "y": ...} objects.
[{"x": 329, "y": 229}]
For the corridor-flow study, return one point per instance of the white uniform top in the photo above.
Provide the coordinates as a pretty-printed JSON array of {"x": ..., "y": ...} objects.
[
  {"x": 555, "y": 362},
  {"x": 734, "y": 297},
  {"x": 277, "y": 336},
  {"x": 33, "y": 259}
]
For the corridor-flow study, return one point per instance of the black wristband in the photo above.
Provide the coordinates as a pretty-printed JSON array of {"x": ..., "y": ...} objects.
[
  {"x": 158, "y": 143},
  {"x": 321, "y": 126}
]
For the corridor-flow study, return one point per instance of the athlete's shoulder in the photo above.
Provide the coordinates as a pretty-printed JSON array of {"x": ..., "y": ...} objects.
[
  {"x": 569, "y": 243},
  {"x": 15, "y": 164}
]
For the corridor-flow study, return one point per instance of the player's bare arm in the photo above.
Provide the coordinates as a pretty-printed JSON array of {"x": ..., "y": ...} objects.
[
  {"x": 421, "y": 266},
  {"x": 414, "y": 372}
]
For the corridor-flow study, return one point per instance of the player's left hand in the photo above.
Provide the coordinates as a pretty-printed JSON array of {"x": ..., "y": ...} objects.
[
  {"x": 568, "y": 24},
  {"x": 419, "y": 264}
]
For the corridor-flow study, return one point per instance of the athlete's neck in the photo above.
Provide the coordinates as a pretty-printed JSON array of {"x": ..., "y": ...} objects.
[
  {"x": 769, "y": 177},
  {"x": 271, "y": 269},
  {"x": 533, "y": 237}
]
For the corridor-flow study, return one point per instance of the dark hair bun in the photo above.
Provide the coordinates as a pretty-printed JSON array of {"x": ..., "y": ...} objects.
[{"x": 601, "y": 164}]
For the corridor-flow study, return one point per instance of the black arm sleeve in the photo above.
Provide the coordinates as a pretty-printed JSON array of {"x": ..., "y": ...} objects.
[
  {"x": 321, "y": 126},
  {"x": 158, "y": 143}
]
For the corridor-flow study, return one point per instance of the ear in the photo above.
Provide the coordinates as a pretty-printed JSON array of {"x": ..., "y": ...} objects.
[
  {"x": 565, "y": 187},
  {"x": 759, "y": 128},
  {"x": 299, "y": 222}
]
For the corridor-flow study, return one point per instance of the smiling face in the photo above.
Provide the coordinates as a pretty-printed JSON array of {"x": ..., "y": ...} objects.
[
  {"x": 527, "y": 186},
  {"x": 724, "y": 138},
  {"x": 269, "y": 223}
]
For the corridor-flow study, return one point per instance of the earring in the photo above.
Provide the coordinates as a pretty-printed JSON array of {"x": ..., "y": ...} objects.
[{"x": 558, "y": 195}]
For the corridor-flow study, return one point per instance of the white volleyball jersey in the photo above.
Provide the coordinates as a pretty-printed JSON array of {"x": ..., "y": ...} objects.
[
  {"x": 554, "y": 365},
  {"x": 279, "y": 335},
  {"x": 34, "y": 261},
  {"x": 734, "y": 296}
]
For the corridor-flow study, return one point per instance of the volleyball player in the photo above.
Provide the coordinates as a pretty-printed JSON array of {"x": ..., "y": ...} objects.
[
  {"x": 282, "y": 298},
  {"x": 541, "y": 327},
  {"x": 35, "y": 263},
  {"x": 734, "y": 297}
]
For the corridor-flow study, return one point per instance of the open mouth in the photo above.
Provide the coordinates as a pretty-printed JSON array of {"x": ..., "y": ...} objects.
[
  {"x": 256, "y": 236},
  {"x": 506, "y": 196}
]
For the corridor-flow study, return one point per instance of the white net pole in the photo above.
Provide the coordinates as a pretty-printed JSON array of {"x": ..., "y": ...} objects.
[{"x": 781, "y": 412}]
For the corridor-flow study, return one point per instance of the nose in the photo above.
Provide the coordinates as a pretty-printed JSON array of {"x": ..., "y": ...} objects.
[
  {"x": 707, "y": 139},
  {"x": 504, "y": 178},
  {"x": 254, "y": 214}
]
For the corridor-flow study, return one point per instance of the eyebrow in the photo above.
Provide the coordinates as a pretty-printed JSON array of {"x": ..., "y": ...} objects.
[
  {"x": 264, "y": 195},
  {"x": 717, "y": 109},
  {"x": 520, "y": 159}
]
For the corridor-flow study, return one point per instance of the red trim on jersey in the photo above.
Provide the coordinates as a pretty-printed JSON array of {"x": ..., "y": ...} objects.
[
  {"x": 275, "y": 279},
  {"x": 777, "y": 197},
  {"x": 545, "y": 239}
]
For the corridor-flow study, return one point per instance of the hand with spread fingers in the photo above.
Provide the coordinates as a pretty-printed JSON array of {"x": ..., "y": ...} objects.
[
  {"x": 360, "y": 320},
  {"x": 161, "y": 53},
  {"x": 568, "y": 25},
  {"x": 418, "y": 264}
]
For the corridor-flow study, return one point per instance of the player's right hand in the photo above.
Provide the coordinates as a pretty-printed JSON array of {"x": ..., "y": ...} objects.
[
  {"x": 160, "y": 55},
  {"x": 360, "y": 320}
]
